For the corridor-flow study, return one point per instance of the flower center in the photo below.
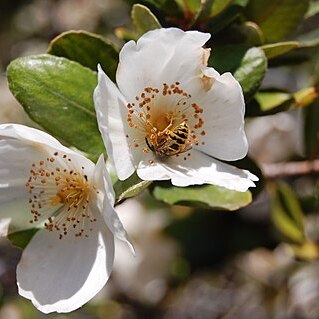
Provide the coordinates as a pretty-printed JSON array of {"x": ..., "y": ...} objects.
[
  {"x": 169, "y": 120},
  {"x": 60, "y": 194}
]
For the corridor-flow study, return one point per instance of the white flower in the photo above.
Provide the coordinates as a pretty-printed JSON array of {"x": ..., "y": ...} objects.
[
  {"x": 170, "y": 116},
  {"x": 43, "y": 183}
]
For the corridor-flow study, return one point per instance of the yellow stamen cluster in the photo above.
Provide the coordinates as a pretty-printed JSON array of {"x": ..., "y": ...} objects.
[
  {"x": 161, "y": 124},
  {"x": 60, "y": 195}
]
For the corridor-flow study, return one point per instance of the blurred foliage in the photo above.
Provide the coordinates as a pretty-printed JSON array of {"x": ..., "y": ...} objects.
[{"x": 262, "y": 256}]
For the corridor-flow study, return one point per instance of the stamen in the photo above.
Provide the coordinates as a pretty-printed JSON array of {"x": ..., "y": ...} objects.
[
  {"x": 59, "y": 194},
  {"x": 168, "y": 120}
]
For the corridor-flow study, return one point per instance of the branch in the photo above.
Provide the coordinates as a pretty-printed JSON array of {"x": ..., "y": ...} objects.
[{"x": 279, "y": 170}]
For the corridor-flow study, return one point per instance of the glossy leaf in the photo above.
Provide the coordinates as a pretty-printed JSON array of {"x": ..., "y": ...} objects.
[
  {"x": 247, "y": 64},
  {"x": 130, "y": 187},
  {"x": 276, "y": 49},
  {"x": 251, "y": 71},
  {"x": 227, "y": 58},
  {"x": 58, "y": 95},
  {"x": 143, "y": 19},
  {"x": 277, "y": 19},
  {"x": 286, "y": 212},
  {"x": 208, "y": 196},
  {"x": 22, "y": 238},
  {"x": 87, "y": 49}
]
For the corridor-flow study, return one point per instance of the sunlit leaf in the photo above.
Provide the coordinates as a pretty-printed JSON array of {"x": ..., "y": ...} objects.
[
  {"x": 208, "y": 196},
  {"x": 130, "y": 187},
  {"x": 276, "y": 49},
  {"x": 267, "y": 103},
  {"x": 86, "y": 48},
  {"x": 143, "y": 19},
  {"x": 313, "y": 9},
  {"x": 58, "y": 95},
  {"x": 251, "y": 71}
]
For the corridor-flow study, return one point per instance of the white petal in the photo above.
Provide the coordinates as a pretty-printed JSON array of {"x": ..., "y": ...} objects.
[
  {"x": 160, "y": 56},
  {"x": 109, "y": 214},
  {"x": 224, "y": 109},
  {"x": 100, "y": 175},
  {"x": 20, "y": 146},
  {"x": 30, "y": 135},
  {"x": 109, "y": 106},
  {"x": 62, "y": 275},
  {"x": 196, "y": 170}
]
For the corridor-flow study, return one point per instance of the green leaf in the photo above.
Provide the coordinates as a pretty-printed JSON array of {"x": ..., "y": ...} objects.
[
  {"x": 227, "y": 58},
  {"x": 251, "y": 71},
  {"x": 277, "y": 19},
  {"x": 224, "y": 18},
  {"x": 130, "y": 187},
  {"x": 267, "y": 103},
  {"x": 143, "y": 19},
  {"x": 87, "y": 49},
  {"x": 58, "y": 95},
  {"x": 189, "y": 6},
  {"x": 313, "y": 9},
  {"x": 207, "y": 9},
  {"x": 204, "y": 11},
  {"x": 207, "y": 196},
  {"x": 286, "y": 212},
  {"x": 219, "y": 6},
  {"x": 172, "y": 8},
  {"x": 247, "y": 64},
  {"x": 276, "y": 49},
  {"x": 22, "y": 238},
  {"x": 251, "y": 33}
]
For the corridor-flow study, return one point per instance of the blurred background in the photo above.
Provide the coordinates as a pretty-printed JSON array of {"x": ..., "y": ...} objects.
[{"x": 191, "y": 263}]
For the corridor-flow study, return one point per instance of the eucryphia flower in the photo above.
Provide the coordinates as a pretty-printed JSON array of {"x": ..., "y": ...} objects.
[
  {"x": 43, "y": 183},
  {"x": 170, "y": 116}
]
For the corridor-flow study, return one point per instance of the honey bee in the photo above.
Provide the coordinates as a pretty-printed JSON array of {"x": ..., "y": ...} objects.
[{"x": 171, "y": 142}]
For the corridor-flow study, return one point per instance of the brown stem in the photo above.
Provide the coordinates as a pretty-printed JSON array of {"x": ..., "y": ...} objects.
[{"x": 279, "y": 170}]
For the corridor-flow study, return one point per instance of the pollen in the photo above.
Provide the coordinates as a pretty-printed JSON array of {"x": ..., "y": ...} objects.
[
  {"x": 167, "y": 121},
  {"x": 61, "y": 199}
]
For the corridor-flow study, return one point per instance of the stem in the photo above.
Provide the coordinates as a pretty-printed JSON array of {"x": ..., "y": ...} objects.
[{"x": 279, "y": 170}]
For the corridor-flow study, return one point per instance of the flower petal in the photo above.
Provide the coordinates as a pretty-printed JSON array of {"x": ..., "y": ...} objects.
[
  {"x": 160, "y": 56},
  {"x": 62, "y": 275},
  {"x": 224, "y": 109},
  {"x": 109, "y": 214},
  {"x": 30, "y": 135},
  {"x": 20, "y": 146},
  {"x": 109, "y": 106},
  {"x": 196, "y": 170}
]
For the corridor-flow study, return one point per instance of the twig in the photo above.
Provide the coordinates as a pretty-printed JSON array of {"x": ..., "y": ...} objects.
[{"x": 279, "y": 170}]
